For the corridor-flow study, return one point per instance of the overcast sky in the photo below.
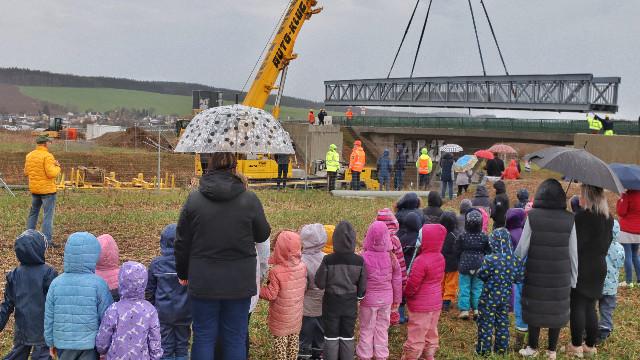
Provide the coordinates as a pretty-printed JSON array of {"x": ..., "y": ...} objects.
[{"x": 216, "y": 42}]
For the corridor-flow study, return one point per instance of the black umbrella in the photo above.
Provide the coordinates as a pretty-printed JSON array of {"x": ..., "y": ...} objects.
[
  {"x": 628, "y": 174},
  {"x": 577, "y": 164}
]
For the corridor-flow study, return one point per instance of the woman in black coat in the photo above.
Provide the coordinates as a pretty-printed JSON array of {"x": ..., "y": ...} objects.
[
  {"x": 549, "y": 245},
  {"x": 594, "y": 227},
  {"x": 215, "y": 251}
]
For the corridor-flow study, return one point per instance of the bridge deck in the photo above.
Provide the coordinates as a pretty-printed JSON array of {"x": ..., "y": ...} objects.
[{"x": 567, "y": 93}]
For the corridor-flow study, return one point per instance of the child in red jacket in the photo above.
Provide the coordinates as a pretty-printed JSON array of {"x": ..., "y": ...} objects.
[
  {"x": 285, "y": 293},
  {"x": 424, "y": 295}
]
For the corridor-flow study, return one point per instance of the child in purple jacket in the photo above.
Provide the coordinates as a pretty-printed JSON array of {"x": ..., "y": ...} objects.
[
  {"x": 384, "y": 293},
  {"x": 130, "y": 328}
]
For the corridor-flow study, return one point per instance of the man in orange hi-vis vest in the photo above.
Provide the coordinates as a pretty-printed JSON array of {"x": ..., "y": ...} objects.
[
  {"x": 349, "y": 114},
  {"x": 424, "y": 166},
  {"x": 356, "y": 164}
]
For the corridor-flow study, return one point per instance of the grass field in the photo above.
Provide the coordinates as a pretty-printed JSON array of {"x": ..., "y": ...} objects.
[
  {"x": 102, "y": 100},
  {"x": 135, "y": 220}
]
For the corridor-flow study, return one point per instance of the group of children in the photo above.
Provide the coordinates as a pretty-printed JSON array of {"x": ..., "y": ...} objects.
[{"x": 411, "y": 268}]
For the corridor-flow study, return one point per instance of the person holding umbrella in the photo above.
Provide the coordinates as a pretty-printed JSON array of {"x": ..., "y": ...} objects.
[{"x": 446, "y": 164}]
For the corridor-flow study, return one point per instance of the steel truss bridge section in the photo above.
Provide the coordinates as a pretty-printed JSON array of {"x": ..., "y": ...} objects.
[{"x": 561, "y": 93}]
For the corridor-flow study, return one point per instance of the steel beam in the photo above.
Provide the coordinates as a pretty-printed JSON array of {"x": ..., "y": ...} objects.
[{"x": 568, "y": 92}]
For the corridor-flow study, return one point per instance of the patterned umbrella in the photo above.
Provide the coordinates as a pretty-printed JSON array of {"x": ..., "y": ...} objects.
[
  {"x": 484, "y": 154},
  {"x": 451, "y": 148},
  {"x": 465, "y": 163},
  {"x": 502, "y": 149},
  {"x": 237, "y": 129}
]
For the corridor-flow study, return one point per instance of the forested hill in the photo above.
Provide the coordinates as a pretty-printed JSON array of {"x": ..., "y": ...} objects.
[{"x": 27, "y": 77}]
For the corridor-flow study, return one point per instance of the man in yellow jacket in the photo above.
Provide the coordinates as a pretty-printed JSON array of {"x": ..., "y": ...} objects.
[
  {"x": 332, "y": 162},
  {"x": 356, "y": 164},
  {"x": 42, "y": 169},
  {"x": 424, "y": 166}
]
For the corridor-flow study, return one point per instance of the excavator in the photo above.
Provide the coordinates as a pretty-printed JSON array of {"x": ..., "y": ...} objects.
[{"x": 275, "y": 64}]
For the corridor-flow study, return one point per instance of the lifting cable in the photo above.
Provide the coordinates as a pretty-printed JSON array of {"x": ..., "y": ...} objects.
[
  {"x": 269, "y": 40},
  {"x": 475, "y": 29},
  {"x": 403, "y": 38},
  {"x": 424, "y": 26},
  {"x": 494, "y": 36}
]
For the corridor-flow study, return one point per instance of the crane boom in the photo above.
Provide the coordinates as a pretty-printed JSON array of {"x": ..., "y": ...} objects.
[{"x": 280, "y": 54}]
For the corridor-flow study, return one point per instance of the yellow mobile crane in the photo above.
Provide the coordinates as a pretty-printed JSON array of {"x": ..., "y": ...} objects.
[{"x": 274, "y": 64}]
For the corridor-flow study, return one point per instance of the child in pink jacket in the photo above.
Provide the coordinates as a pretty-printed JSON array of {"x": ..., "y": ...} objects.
[
  {"x": 386, "y": 216},
  {"x": 424, "y": 295},
  {"x": 285, "y": 292},
  {"x": 384, "y": 293}
]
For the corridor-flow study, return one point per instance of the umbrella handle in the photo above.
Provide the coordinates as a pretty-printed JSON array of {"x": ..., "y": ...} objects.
[{"x": 568, "y": 186}]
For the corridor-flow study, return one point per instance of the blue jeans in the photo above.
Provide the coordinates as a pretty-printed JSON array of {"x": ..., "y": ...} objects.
[
  {"x": 470, "y": 291},
  {"x": 606, "y": 305},
  {"x": 398, "y": 179},
  {"x": 384, "y": 182},
  {"x": 449, "y": 185},
  {"x": 517, "y": 307},
  {"x": 631, "y": 261},
  {"x": 48, "y": 203},
  {"x": 21, "y": 352},
  {"x": 213, "y": 317}
]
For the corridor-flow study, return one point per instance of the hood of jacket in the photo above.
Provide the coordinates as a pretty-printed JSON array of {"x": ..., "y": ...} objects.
[
  {"x": 167, "y": 239},
  {"x": 513, "y": 164},
  {"x": 500, "y": 187},
  {"x": 465, "y": 206},
  {"x": 378, "y": 238},
  {"x": 523, "y": 195},
  {"x": 500, "y": 242},
  {"x": 333, "y": 147},
  {"x": 314, "y": 238},
  {"x": 434, "y": 199},
  {"x": 449, "y": 221},
  {"x": 481, "y": 191},
  {"x": 328, "y": 247},
  {"x": 409, "y": 201},
  {"x": 413, "y": 222},
  {"x": 550, "y": 195},
  {"x": 473, "y": 221},
  {"x": 344, "y": 238},
  {"x": 516, "y": 218},
  {"x": 133, "y": 281},
  {"x": 288, "y": 249},
  {"x": 433, "y": 236},
  {"x": 615, "y": 230},
  {"x": 447, "y": 156},
  {"x": 385, "y": 154},
  {"x": 81, "y": 253},
  {"x": 424, "y": 152},
  {"x": 108, "y": 266},
  {"x": 30, "y": 247},
  {"x": 386, "y": 216},
  {"x": 220, "y": 185}
]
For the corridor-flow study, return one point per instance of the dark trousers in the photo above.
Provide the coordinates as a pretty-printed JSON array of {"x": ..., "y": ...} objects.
[
  {"x": 311, "y": 337},
  {"x": 283, "y": 169},
  {"x": 21, "y": 352},
  {"x": 175, "y": 341},
  {"x": 447, "y": 185},
  {"x": 384, "y": 182},
  {"x": 338, "y": 335},
  {"x": 77, "y": 354},
  {"x": 423, "y": 181},
  {"x": 534, "y": 336},
  {"x": 607, "y": 305},
  {"x": 461, "y": 188},
  {"x": 398, "y": 179},
  {"x": 214, "y": 317},
  {"x": 355, "y": 180},
  {"x": 583, "y": 319},
  {"x": 331, "y": 180}
]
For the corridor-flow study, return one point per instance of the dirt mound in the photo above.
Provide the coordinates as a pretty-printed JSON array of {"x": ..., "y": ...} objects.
[
  {"x": 136, "y": 138},
  {"x": 12, "y": 101}
]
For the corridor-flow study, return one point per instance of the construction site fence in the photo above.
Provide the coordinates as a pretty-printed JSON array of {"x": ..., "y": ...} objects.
[{"x": 565, "y": 126}]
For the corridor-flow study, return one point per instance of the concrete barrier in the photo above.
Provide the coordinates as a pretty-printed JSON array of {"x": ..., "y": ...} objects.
[
  {"x": 313, "y": 141},
  {"x": 376, "y": 194},
  {"x": 611, "y": 149}
]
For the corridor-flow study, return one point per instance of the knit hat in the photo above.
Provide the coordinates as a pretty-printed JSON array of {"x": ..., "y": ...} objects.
[{"x": 386, "y": 216}]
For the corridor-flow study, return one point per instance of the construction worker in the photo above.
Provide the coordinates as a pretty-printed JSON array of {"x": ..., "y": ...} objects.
[
  {"x": 595, "y": 123},
  {"x": 321, "y": 116},
  {"x": 349, "y": 114},
  {"x": 311, "y": 117},
  {"x": 356, "y": 164},
  {"x": 607, "y": 126},
  {"x": 42, "y": 169},
  {"x": 424, "y": 166},
  {"x": 332, "y": 163}
]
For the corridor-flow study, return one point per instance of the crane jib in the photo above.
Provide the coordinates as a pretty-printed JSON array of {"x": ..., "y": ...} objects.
[{"x": 293, "y": 28}]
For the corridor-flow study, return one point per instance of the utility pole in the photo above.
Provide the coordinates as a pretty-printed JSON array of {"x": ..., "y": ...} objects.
[{"x": 158, "y": 178}]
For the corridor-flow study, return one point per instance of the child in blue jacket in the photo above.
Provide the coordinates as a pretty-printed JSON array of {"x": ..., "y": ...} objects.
[
  {"x": 76, "y": 301},
  {"x": 500, "y": 270},
  {"x": 170, "y": 299},
  {"x": 25, "y": 293},
  {"x": 607, "y": 303}
]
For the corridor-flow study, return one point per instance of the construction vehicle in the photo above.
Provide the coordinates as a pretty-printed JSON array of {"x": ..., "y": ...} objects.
[
  {"x": 368, "y": 179},
  {"x": 274, "y": 64},
  {"x": 53, "y": 130}
]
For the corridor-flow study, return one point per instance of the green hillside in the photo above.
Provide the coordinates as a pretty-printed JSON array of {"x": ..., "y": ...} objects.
[{"x": 100, "y": 99}]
